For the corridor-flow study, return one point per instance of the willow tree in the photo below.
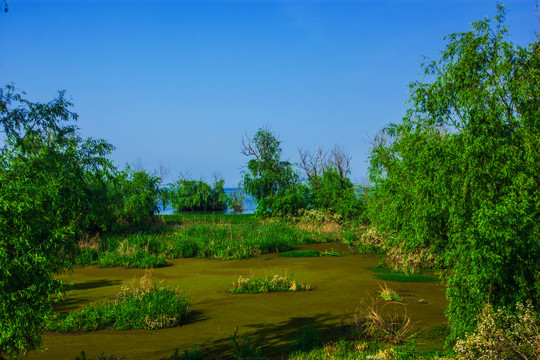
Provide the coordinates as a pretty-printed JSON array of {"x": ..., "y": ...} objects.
[
  {"x": 459, "y": 177},
  {"x": 45, "y": 200}
]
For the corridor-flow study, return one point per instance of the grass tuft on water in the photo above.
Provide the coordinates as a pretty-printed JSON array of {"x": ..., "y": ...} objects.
[
  {"x": 146, "y": 305},
  {"x": 268, "y": 284}
]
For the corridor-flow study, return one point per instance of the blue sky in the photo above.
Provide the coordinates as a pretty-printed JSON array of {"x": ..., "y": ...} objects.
[{"x": 180, "y": 82}]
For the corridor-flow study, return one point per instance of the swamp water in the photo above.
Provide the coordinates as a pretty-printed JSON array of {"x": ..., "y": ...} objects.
[{"x": 341, "y": 284}]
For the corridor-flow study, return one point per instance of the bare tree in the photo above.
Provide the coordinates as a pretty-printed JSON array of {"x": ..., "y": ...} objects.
[
  {"x": 341, "y": 161},
  {"x": 163, "y": 173},
  {"x": 138, "y": 165},
  {"x": 314, "y": 162},
  {"x": 248, "y": 148}
]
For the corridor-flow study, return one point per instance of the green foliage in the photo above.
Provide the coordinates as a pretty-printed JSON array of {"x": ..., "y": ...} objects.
[
  {"x": 406, "y": 277},
  {"x": 459, "y": 177},
  {"x": 273, "y": 284},
  {"x": 146, "y": 306},
  {"x": 269, "y": 180},
  {"x": 140, "y": 195},
  {"x": 197, "y": 195},
  {"x": 45, "y": 168},
  {"x": 335, "y": 192}
]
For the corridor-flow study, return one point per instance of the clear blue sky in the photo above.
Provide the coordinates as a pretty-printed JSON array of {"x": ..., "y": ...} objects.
[{"x": 180, "y": 82}]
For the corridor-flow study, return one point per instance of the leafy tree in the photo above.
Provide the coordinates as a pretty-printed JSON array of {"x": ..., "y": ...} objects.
[
  {"x": 330, "y": 187},
  {"x": 460, "y": 176},
  {"x": 44, "y": 197},
  {"x": 268, "y": 178},
  {"x": 197, "y": 195}
]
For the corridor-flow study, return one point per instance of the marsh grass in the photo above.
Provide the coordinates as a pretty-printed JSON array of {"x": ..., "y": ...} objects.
[
  {"x": 148, "y": 248},
  {"x": 402, "y": 277},
  {"x": 275, "y": 283},
  {"x": 190, "y": 218},
  {"x": 142, "y": 305}
]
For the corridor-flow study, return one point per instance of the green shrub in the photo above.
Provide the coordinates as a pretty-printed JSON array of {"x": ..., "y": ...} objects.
[
  {"x": 260, "y": 285},
  {"x": 406, "y": 277},
  {"x": 144, "y": 306}
]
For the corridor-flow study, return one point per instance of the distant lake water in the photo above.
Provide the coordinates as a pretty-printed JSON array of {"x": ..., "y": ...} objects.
[{"x": 249, "y": 205}]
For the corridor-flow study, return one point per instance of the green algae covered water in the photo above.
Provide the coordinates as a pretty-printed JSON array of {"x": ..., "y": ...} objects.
[{"x": 341, "y": 284}]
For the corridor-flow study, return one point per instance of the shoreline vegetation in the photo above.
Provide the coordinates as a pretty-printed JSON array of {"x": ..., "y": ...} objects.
[{"x": 452, "y": 203}]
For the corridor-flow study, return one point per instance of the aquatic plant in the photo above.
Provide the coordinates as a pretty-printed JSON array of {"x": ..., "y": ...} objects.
[
  {"x": 267, "y": 284},
  {"x": 300, "y": 253},
  {"x": 146, "y": 305}
]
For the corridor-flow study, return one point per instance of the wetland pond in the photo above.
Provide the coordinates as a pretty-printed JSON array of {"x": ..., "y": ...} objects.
[{"x": 341, "y": 284}]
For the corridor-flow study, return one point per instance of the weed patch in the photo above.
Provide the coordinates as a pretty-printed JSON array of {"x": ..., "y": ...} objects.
[{"x": 388, "y": 294}]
